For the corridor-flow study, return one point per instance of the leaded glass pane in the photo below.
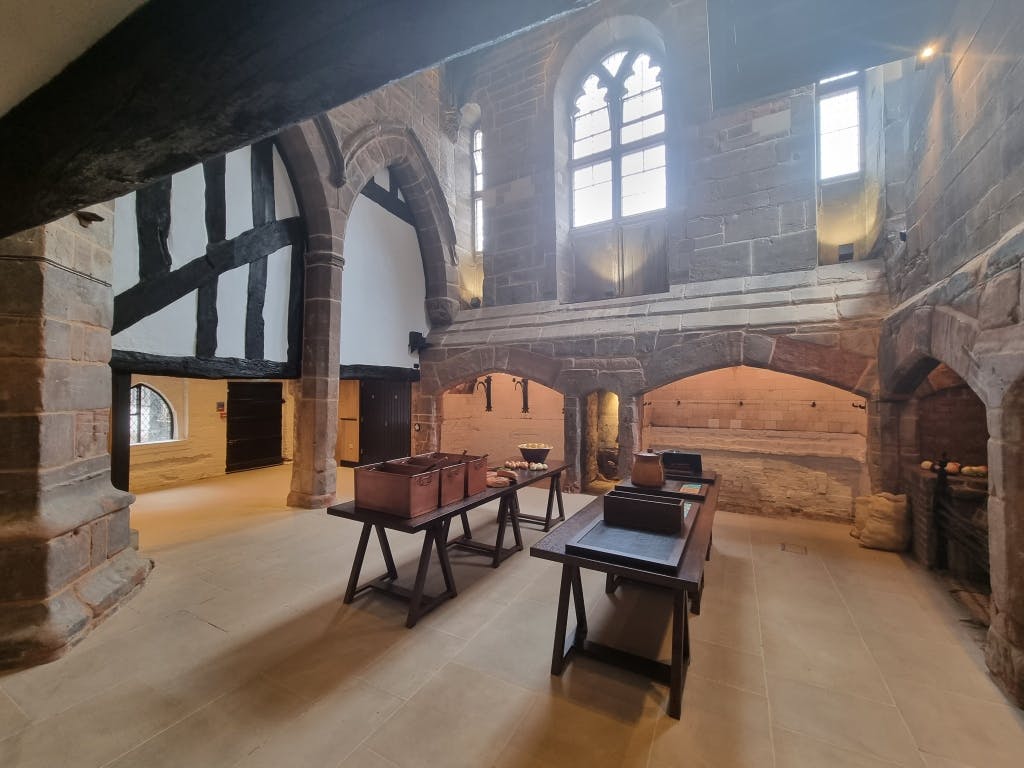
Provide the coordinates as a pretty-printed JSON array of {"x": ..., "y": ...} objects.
[
  {"x": 613, "y": 62},
  {"x": 150, "y": 416},
  {"x": 643, "y": 181},
  {"x": 592, "y": 194}
]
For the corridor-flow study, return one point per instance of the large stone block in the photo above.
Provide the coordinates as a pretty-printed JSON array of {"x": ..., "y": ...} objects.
[
  {"x": 827, "y": 364},
  {"x": 723, "y": 261},
  {"x": 785, "y": 253},
  {"x": 39, "y": 631},
  {"x": 751, "y": 224},
  {"x": 104, "y": 587},
  {"x": 1000, "y": 302}
]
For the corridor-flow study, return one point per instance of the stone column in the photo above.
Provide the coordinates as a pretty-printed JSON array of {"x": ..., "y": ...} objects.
[
  {"x": 314, "y": 470},
  {"x": 571, "y": 423},
  {"x": 1005, "y": 647},
  {"x": 427, "y": 415},
  {"x": 883, "y": 442},
  {"x": 65, "y": 559},
  {"x": 630, "y": 410}
]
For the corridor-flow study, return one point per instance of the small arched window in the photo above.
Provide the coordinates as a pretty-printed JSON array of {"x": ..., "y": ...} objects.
[
  {"x": 151, "y": 418},
  {"x": 617, "y": 159}
]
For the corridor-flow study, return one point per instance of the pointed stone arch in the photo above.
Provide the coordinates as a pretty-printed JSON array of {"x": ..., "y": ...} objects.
[{"x": 395, "y": 146}]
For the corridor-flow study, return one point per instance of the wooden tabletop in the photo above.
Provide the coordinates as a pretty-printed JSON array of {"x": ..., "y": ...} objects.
[
  {"x": 350, "y": 511},
  {"x": 688, "y": 576}
]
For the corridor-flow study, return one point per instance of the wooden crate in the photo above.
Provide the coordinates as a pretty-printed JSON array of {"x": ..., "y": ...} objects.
[{"x": 404, "y": 492}]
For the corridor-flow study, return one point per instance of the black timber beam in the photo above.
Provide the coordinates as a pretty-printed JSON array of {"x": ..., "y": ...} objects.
[
  {"x": 123, "y": 362},
  {"x": 181, "y": 81}
]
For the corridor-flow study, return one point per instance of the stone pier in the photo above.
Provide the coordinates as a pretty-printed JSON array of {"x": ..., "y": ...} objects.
[{"x": 65, "y": 555}]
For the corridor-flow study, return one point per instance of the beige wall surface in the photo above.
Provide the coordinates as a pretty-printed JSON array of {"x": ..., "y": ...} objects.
[
  {"x": 777, "y": 454},
  {"x": 467, "y": 426},
  {"x": 199, "y": 449}
]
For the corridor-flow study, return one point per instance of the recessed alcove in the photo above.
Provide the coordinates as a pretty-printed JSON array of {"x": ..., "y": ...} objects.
[{"x": 784, "y": 445}]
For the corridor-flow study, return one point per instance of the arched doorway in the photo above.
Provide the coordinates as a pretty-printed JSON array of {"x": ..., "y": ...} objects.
[{"x": 599, "y": 442}]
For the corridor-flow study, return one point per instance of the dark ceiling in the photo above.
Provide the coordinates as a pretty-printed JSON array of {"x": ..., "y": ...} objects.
[{"x": 763, "y": 47}]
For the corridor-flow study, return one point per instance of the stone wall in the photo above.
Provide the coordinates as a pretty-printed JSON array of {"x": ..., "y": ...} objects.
[
  {"x": 777, "y": 454},
  {"x": 952, "y": 422},
  {"x": 467, "y": 426},
  {"x": 746, "y": 398},
  {"x": 740, "y": 182},
  {"x": 965, "y": 183},
  {"x": 199, "y": 449}
]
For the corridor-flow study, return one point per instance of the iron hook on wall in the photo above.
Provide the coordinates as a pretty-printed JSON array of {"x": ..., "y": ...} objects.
[
  {"x": 486, "y": 384},
  {"x": 525, "y": 384}
]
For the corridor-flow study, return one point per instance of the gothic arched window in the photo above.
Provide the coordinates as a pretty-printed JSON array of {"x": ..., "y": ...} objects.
[
  {"x": 150, "y": 417},
  {"x": 617, "y": 158}
]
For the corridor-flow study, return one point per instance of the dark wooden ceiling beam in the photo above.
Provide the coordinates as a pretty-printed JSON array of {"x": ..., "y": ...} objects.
[{"x": 181, "y": 81}]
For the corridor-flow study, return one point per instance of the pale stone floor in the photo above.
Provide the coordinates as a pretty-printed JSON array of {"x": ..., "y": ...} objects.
[{"x": 238, "y": 652}]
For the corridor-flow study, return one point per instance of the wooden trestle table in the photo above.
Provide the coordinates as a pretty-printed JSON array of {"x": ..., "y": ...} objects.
[
  {"x": 686, "y": 586},
  {"x": 435, "y": 524}
]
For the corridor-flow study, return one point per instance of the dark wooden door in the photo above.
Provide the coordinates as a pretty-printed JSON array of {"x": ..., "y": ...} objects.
[
  {"x": 254, "y": 424},
  {"x": 385, "y": 420}
]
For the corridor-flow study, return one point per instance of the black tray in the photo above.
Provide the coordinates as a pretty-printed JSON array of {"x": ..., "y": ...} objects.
[{"x": 662, "y": 552}]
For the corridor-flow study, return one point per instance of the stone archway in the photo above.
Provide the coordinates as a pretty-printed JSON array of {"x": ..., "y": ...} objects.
[
  {"x": 395, "y": 146},
  {"x": 328, "y": 175},
  {"x": 832, "y": 364},
  {"x": 913, "y": 343},
  {"x": 1005, "y": 651}
]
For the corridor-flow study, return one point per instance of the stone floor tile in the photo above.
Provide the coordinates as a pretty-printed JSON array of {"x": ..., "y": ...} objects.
[
  {"x": 460, "y": 718},
  {"x": 559, "y": 732},
  {"x": 949, "y": 666},
  {"x": 12, "y": 719},
  {"x": 844, "y": 721},
  {"x": 794, "y": 750},
  {"x": 163, "y": 647},
  {"x": 366, "y": 758},
  {"x": 962, "y": 728},
  {"x": 221, "y": 733},
  {"x": 835, "y": 660},
  {"x": 721, "y": 727},
  {"x": 327, "y": 732},
  {"x": 412, "y": 661},
  {"x": 95, "y": 731},
  {"x": 893, "y": 613},
  {"x": 727, "y": 665}
]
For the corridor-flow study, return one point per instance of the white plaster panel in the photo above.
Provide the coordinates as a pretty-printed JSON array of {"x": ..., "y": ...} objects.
[
  {"x": 275, "y": 306},
  {"x": 383, "y": 288},
  {"x": 285, "y": 204},
  {"x": 126, "y": 244},
  {"x": 238, "y": 186},
  {"x": 171, "y": 331},
  {"x": 232, "y": 297},
  {"x": 187, "y": 237}
]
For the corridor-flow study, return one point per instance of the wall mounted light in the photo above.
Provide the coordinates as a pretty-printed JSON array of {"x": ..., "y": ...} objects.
[{"x": 925, "y": 55}]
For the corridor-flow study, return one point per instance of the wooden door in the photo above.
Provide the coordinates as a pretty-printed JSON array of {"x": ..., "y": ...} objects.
[
  {"x": 385, "y": 420},
  {"x": 254, "y": 424}
]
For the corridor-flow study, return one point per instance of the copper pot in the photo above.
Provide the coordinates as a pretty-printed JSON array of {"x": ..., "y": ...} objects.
[{"x": 647, "y": 470}]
